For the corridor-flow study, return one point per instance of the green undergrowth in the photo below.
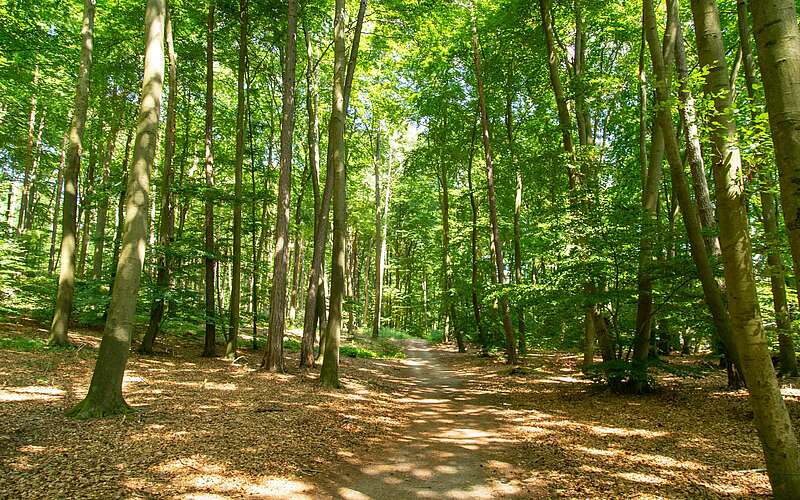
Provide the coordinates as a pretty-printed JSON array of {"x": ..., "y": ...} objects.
[{"x": 26, "y": 344}]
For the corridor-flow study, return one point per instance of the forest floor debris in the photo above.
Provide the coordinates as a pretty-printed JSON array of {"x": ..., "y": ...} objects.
[{"x": 437, "y": 424}]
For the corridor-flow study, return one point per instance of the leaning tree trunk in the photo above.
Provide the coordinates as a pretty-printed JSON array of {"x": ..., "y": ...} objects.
[
  {"x": 105, "y": 391},
  {"x": 691, "y": 220},
  {"x": 329, "y": 373},
  {"x": 778, "y": 41},
  {"x": 788, "y": 357},
  {"x": 236, "y": 272},
  {"x": 209, "y": 346},
  {"x": 511, "y": 350},
  {"x": 273, "y": 356},
  {"x": 66, "y": 279},
  {"x": 771, "y": 418},
  {"x": 167, "y": 210}
]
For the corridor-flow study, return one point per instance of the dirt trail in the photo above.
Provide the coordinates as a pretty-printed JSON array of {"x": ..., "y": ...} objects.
[{"x": 453, "y": 447}]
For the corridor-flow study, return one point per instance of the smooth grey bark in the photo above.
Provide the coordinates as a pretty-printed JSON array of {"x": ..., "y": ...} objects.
[
  {"x": 329, "y": 372},
  {"x": 57, "y": 206},
  {"x": 771, "y": 418},
  {"x": 66, "y": 279},
  {"x": 167, "y": 209},
  {"x": 105, "y": 391}
]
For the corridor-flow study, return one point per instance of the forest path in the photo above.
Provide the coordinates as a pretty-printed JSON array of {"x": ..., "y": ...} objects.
[{"x": 453, "y": 447}]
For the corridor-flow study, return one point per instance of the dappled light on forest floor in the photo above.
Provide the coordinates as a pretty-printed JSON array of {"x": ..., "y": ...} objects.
[{"x": 435, "y": 425}]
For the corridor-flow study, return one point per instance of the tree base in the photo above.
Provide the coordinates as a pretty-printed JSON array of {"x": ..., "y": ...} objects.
[{"x": 88, "y": 408}]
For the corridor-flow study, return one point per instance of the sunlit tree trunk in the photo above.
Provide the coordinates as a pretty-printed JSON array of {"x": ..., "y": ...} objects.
[
  {"x": 315, "y": 304},
  {"x": 167, "y": 210},
  {"x": 691, "y": 219},
  {"x": 788, "y": 357},
  {"x": 771, "y": 418},
  {"x": 209, "y": 346},
  {"x": 105, "y": 391},
  {"x": 66, "y": 279},
  {"x": 236, "y": 272},
  {"x": 329, "y": 373},
  {"x": 511, "y": 349}
]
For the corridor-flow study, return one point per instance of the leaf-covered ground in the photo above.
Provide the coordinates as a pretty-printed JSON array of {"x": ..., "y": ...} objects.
[{"x": 434, "y": 425}]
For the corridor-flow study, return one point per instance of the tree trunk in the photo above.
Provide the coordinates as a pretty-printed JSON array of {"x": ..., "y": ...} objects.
[
  {"x": 644, "y": 304},
  {"x": 380, "y": 242},
  {"x": 788, "y": 358},
  {"x": 57, "y": 205},
  {"x": 102, "y": 206},
  {"x": 315, "y": 286},
  {"x": 86, "y": 206},
  {"x": 29, "y": 156},
  {"x": 778, "y": 42},
  {"x": 209, "y": 347},
  {"x": 771, "y": 418},
  {"x": 321, "y": 209},
  {"x": 236, "y": 272},
  {"x": 167, "y": 211},
  {"x": 511, "y": 350},
  {"x": 476, "y": 305},
  {"x": 522, "y": 341},
  {"x": 329, "y": 373},
  {"x": 694, "y": 152},
  {"x": 105, "y": 391},
  {"x": 691, "y": 219},
  {"x": 66, "y": 279},
  {"x": 273, "y": 356},
  {"x": 298, "y": 249}
]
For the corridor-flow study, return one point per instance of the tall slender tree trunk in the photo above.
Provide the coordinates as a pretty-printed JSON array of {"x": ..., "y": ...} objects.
[
  {"x": 650, "y": 190},
  {"x": 788, "y": 357},
  {"x": 476, "y": 305},
  {"x": 694, "y": 152},
  {"x": 329, "y": 373},
  {"x": 771, "y": 418},
  {"x": 167, "y": 210},
  {"x": 105, "y": 391},
  {"x": 298, "y": 249},
  {"x": 511, "y": 349},
  {"x": 209, "y": 347},
  {"x": 32, "y": 191},
  {"x": 102, "y": 206},
  {"x": 273, "y": 356},
  {"x": 691, "y": 219},
  {"x": 236, "y": 272},
  {"x": 86, "y": 207},
  {"x": 521, "y": 340},
  {"x": 315, "y": 303},
  {"x": 778, "y": 42},
  {"x": 320, "y": 215},
  {"x": 66, "y": 279},
  {"x": 57, "y": 206},
  {"x": 380, "y": 244},
  {"x": 29, "y": 155}
]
